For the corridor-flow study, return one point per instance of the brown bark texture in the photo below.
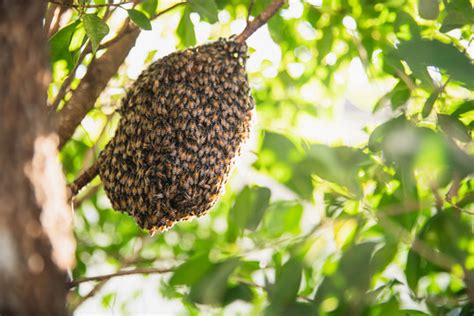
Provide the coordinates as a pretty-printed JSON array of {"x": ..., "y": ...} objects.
[{"x": 32, "y": 281}]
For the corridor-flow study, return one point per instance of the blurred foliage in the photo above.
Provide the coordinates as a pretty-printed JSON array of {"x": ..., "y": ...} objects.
[{"x": 305, "y": 227}]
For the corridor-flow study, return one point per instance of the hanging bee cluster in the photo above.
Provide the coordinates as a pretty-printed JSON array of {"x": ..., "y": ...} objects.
[{"x": 182, "y": 123}]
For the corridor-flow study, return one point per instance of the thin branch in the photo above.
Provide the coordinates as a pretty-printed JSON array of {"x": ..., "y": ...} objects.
[
  {"x": 79, "y": 6},
  {"x": 168, "y": 9},
  {"x": 120, "y": 273},
  {"x": 90, "y": 193},
  {"x": 249, "y": 10},
  {"x": 84, "y": 179},
  {"x": 67, "y": 82},
  {"x": 90, "y": 294},
  {"x": 259, "y": 20}
]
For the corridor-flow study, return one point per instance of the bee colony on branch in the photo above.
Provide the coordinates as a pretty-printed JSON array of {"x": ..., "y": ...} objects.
[{"x": 182, "y": 124}]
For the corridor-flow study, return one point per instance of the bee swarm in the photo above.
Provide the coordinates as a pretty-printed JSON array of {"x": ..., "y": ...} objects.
[{"x": 183, "y": 122}]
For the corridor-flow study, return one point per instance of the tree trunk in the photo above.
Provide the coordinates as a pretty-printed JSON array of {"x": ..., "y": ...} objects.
[{"x": 36, "y": 245}]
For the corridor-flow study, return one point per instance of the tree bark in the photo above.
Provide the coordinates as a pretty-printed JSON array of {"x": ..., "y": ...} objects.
[{"x": 36, "y": 244}]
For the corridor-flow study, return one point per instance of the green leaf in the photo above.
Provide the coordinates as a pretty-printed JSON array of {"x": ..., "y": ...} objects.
[
  {"x": 324, "y": 45},
  {"x": 248, "y": 210},
  {"x": 453, "y": 20},
  {"x": 391, "y": 62},
  {"x": 285, "y": 161},
  {"x": 355, "y": 266},
  {"x": 296, "y": 308},
  {"x": 139, "y": 19},
  {"x": 149, "y": 6},
  {"x": 422, "y": 53},
  {"x": 191, "y": 271},
  {"x": 454, "y": 127},
  {"x": 186, "y": 29},
  {"x": 428, "y": 9},
  {"x": 283, "y": 217},
  {"x": 445, "y": 233},
  {"x": 428, "y": 106},
  {"x": 96, "y": 29},
  {"x": 277, "y": 27},
  {"x": 212, "y": 287},
  {"x": 338, "y": 164},
  {"x": 238, "y": 292},
  {"x": 399, "y": 95},
  {"x": 413, "y": 312},
  {"x": 107, "y": 299},
  {"x": 59, "y": 43},
  {"x": 390, "y": 308},
  {"x": 459, "y": 14},
  {"x": 207, "y": 9},
  {"x": 412, "y": 270},
  {"x": 464, "y": 107},
  {"x": 383, "y": 257},
  {"x": 287, "y": 284},
  {"x": 353, "y": 276}
]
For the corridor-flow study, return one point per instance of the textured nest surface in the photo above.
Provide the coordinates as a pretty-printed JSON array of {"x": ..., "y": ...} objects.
[{"x": 182, "y": 124}]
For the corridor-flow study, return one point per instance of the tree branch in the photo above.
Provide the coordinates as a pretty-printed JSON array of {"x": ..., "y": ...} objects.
[
  {"x": 90, "y": 294},
  {"x": 120, "y": 273},
  {"x": 259, "y": 20},
  {"x": 84, "y": 179}
]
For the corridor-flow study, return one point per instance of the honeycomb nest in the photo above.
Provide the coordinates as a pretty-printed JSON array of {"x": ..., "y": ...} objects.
[{"x": 182, "y": 123}]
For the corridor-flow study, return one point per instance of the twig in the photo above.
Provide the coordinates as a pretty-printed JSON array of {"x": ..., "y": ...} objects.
[
  {"x": 78, "y": 6},
  {"x": 249, "y": 10},
  {"x": 90, "y": 294},
  {"x": 84, "y": 179},
  {"x": 90, "y": 193},
  {"x": 67, "y": 82},
  {"x": 259, "y": 20},
  {"x": 168, "y": 9},
  {"x": 120, "y": 273}
]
